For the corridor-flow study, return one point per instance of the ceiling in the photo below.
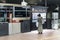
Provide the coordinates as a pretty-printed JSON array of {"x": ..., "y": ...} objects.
[
  {"x": 41, "y": 2},
  {"x": 51, "y": 4}
]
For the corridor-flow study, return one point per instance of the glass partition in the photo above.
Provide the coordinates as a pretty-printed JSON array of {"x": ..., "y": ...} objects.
[{"x": 4, "y": 13}]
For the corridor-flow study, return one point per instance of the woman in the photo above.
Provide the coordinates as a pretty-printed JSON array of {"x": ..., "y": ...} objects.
[{"x": 40, "y": 29}]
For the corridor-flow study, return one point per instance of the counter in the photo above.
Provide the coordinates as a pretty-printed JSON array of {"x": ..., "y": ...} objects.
[
  {"x": 3, "y": 28},
  {"x": 14, "y": 28},
  {"x": 21, "y": 27}
]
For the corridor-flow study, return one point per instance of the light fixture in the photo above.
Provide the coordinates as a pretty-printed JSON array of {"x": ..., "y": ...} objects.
[
  {"x": 57, "y": 8},
  {"x": 23, "y": 3}
]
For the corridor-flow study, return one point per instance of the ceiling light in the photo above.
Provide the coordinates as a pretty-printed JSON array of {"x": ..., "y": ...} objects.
[{"x": 23, "y": 3}]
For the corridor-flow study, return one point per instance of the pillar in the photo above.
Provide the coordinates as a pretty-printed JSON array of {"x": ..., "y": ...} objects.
[
  {"x": 59, "y": 16},
  {"x": 49, "y": 20}
]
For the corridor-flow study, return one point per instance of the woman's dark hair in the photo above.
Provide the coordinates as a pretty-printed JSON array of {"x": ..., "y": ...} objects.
[{"x": 39, "y": 15}]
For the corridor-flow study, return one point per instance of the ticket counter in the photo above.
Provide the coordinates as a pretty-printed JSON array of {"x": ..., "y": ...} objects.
[{"x": 14, "y": 19}]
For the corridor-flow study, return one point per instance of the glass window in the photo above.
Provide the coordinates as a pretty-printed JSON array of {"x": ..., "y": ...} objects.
[
  {"x": 1, "y": 17},
  {"x": 1, "y": 14}
]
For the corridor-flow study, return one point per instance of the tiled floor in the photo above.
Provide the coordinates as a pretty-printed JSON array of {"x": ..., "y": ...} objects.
[{"x": 47, "y": 35}]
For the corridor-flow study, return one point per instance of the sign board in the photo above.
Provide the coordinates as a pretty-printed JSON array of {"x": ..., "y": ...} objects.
[{"x": 39, "y": 9}]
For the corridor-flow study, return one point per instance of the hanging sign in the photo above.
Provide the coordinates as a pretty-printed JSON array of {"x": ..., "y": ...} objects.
[{"x": 39, "y": 9}]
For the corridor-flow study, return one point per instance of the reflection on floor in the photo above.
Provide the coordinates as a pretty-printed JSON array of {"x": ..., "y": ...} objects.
[{"x": 47, "y": 35}]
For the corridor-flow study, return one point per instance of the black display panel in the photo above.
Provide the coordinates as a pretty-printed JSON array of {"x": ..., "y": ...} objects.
[
  {"x": 20, "y": 14},
  {"x": 20, "y": 8}
]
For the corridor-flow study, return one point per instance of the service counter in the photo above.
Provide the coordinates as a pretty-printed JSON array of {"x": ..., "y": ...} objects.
[
  {"x": 14, "y": 28},
  {"x": 19, "y": 27}
]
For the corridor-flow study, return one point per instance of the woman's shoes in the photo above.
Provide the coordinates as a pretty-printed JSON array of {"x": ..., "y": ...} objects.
[{"x": 40, "y": 33}]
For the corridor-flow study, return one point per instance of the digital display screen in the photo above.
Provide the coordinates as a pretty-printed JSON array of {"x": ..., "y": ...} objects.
[{"x": 20, "y": 14}]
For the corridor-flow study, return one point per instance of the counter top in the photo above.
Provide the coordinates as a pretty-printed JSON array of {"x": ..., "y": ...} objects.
[
  {"x": 22, "y": 18},
  {"x": 3, "y": 22}
]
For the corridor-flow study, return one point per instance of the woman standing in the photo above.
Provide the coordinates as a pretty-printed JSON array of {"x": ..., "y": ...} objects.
[{"x": 40, "y": 28}]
